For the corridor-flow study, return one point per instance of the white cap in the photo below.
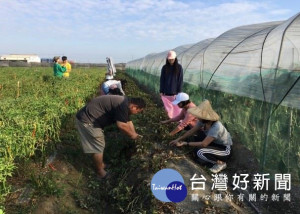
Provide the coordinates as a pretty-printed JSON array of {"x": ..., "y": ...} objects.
[
  {"x": 109, "y": 77},
  {"x": 171, "y": 55},
  {"x": 180, "y": 97}
]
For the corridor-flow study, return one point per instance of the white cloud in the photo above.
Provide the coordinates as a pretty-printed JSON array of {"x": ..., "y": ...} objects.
[
  {"x": 280, "y": 12},
  {"x": 123, "y": 21}
]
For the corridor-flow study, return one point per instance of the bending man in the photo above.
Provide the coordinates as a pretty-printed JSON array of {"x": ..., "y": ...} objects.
[{"x": 103, "y": 111}]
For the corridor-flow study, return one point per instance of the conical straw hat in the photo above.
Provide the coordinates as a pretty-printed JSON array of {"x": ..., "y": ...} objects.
[{"x": 204, "y": 111}]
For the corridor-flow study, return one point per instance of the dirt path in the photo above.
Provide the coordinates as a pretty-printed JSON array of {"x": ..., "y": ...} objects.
[{"x": 205, "y": 202}]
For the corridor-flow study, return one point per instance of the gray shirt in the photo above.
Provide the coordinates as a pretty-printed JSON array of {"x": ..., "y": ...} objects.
[
  {"x": 219, "y": 133},
  {"x": 105, "y": 110}
]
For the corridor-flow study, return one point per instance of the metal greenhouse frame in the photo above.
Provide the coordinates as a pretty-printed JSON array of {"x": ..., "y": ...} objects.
[{"x": 251, "y": 75}]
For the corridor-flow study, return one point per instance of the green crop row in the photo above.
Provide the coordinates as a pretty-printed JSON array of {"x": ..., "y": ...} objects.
[{"x": 34, "y": 106}]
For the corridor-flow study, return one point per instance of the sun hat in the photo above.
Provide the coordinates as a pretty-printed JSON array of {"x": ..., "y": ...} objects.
[
  {"x": 171, "y": 55},
  {"x": 204, "y": 111},
  {"x": 180, "y": 97}
]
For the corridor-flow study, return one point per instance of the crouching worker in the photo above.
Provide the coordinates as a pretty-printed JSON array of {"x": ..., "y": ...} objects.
[
  {"x": 215, "y": 142},
  {"x": 100, "y": 112},
  {"x": 113, "y": 87},
  {"x": 188, "y": 121}
]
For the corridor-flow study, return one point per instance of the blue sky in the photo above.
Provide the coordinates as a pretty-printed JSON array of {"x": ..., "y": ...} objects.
[{"x": 90, "y": 30}]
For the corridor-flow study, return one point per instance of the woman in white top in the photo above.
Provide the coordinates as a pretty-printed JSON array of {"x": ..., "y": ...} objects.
[
  {"x": 110, "y": 86},
  {"x": 215, "y": 143}
]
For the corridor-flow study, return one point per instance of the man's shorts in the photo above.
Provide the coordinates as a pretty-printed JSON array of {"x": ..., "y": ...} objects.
[{"x": 92, "y": 138}]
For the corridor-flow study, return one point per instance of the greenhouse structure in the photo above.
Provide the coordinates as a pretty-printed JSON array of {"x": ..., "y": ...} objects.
[{"x": 251, "y": 76}]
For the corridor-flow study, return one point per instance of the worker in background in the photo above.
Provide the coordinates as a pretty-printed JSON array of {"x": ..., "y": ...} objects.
[
  {"x": 68, "y": 66},
  {"x": 111, "y": 70},
  {"x": 57, "y": 68},
  {"x": 111, "y": 86}
]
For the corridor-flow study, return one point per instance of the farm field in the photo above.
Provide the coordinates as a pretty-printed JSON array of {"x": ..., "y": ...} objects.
[
  {"x": 34, "y": 107},
  {"x": 42, "y": 166}
]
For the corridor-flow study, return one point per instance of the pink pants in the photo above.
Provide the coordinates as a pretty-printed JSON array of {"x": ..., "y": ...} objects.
[{"x": 172, "y": 110}]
